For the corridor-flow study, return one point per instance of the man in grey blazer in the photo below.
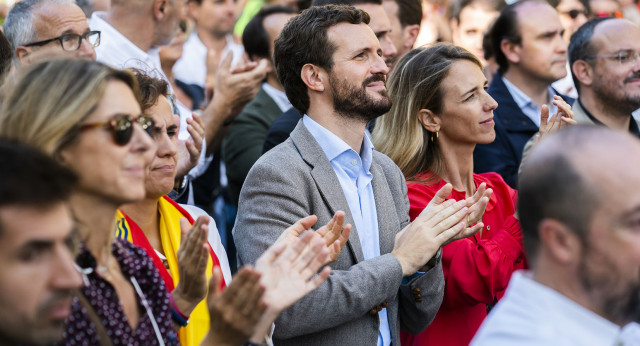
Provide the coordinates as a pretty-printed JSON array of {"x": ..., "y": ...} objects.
[{"x": 389, "y": 275}]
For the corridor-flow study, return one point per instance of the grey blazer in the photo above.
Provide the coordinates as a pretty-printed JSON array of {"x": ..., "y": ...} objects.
[{"x": 294, "y": 180}]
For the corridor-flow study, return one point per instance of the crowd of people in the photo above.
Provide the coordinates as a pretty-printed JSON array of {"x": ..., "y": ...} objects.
[{"x": 335, "y": 172}]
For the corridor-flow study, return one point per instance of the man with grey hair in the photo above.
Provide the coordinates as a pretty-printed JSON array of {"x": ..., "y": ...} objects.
[
  {"x": 46, "y": 29},
  {"x": 581, "y": 227}
]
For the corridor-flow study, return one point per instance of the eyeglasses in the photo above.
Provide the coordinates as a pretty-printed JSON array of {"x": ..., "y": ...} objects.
[
  {"x": 71, "y": 42},
  {"x": 122, "y": 127},
  {"x": 575, "y": 13},
  {"x": 624, "y": 56}
]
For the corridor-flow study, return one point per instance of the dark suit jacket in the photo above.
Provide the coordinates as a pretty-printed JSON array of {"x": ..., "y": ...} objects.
[
  {"x": 281, "y": 128},
  {"x": 242, "y": 146},
  {"x": 513, "y": 130},
  {"x": 296, "y": 179}
]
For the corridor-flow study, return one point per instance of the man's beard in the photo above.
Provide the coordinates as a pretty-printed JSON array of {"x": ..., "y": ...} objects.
[
  {"x": 607, "y": 95},
  {"x": 617, "y": 297},
  {"x": 352, "y": 102}
]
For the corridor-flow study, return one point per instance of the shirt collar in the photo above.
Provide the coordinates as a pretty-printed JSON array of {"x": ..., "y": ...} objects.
[
  {"x": 633, "y": 125},
  {"x": 524, "y": 102},
  {"x": 333, "y": 146},
  {"x": 279, "y": 97}
]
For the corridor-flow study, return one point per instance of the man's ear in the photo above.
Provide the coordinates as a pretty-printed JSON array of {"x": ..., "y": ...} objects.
[
  {"x": 511, "y": 51},
  {"x": 23, "y": 54},
  {"x": 160, "y": 8},
  {"x": 583, "y": 71},
  {"x": 429, "y": 120},
  {"x": 410, "y": 34},
  {"x": 314, "y": 77},
  {"x": 559, "y": 241}
]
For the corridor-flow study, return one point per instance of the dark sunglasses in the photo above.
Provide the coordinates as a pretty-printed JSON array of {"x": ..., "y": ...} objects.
[
  {"x": 575, "y": 13},
  {"x": 121, "y": 127}
]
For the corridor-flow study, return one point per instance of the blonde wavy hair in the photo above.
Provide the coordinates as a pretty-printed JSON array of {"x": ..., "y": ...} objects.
[
  {"x": 50, "y": 100},
  {"x": 414, "y": 84}
]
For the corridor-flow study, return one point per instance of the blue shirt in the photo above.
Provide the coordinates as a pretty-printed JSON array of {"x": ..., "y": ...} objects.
[
  {"x": 353, "y": 171},
  {"x": 527, "y": 106}
]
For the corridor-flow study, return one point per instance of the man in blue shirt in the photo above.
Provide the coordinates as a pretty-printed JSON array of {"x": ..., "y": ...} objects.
[
  {"x": 389, "y": 275},
  {"x": 526, "y": 41}
]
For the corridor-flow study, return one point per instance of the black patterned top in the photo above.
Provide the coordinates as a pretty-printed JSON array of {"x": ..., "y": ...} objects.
[{"x": 134, "y": 262}]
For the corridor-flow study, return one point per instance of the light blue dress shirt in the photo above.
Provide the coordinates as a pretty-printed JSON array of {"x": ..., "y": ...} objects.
[
  {"x": 353, "y": 171},
  {"x": 527, "y": 106}
]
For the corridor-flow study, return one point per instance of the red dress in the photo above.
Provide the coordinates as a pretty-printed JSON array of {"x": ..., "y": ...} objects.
[{"x": 476, "y": 270}]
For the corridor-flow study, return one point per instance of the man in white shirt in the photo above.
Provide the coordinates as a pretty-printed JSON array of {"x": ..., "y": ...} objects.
[
  {"x": 526, "y": 41},
  {"x": 580, "y": 214},
  {"x": 214, "y": 21}
]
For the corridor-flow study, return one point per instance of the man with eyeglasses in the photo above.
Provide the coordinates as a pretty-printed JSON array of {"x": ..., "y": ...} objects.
[
  {"x": 603, "y": 55},
  {"x": 47, "y": 29}
]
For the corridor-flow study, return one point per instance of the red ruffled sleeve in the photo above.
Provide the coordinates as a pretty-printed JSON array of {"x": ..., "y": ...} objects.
[{"x": 477, "y": 270}]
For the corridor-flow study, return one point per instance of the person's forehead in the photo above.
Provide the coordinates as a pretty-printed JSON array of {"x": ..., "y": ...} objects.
[
  {"x": 274, "y": 23},
  {"x": 163, "y": 113},
  {"x": 56, "y": 19},
  {"x": 567, "y": 5},
  {"x": 534, "y": 18},
  {"x": 379, "y": 20},
  {"x": 616, "y": 34},
  {"x": 23, "y": 224},
  {"x": 474, "y": 13},
  {"x": 349, "y": 37}
]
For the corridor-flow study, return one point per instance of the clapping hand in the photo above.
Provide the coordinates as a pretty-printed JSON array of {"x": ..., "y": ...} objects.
[{"x": 333, "y": 233}]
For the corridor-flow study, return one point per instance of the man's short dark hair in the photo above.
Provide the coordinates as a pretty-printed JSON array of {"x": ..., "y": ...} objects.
[
  {"x": 304, "y": 41},
  {"x": 581, "y": 46},
  {"x": 255, "y": 38},
  {"x": 409, "y": 12},
  {"x": 505, "y": 27},
  {"x": 553, "y": 188},
  {"x": 458, "y": 5},
  {"x": 30, "y": 178},
  {"x": 345, "y": 2}
]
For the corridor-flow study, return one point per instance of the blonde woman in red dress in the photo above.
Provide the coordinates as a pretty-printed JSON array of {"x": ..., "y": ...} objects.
[{"x": 441, "y": 110}]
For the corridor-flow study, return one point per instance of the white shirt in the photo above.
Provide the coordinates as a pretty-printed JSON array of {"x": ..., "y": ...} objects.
[
  {"x": 191, "y": 68},
  {"x": 279, "y": 97},
  {"x": 533, "y": 314}
]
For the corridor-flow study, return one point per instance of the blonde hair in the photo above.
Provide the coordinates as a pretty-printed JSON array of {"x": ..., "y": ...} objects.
[
  {"x": 51, "y": 99},
  {"x": 415, "y": 84}
]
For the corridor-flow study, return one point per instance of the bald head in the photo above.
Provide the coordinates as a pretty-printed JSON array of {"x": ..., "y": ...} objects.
[{"x": 569, "y": 175}]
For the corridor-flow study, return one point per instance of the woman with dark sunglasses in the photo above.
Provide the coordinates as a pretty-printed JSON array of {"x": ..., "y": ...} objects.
[{"x": 88, "y": 116}]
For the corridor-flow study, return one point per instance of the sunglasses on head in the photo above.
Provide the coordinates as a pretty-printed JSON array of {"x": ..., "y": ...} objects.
[
  {"x": 121, "y": 127},
  {"x": 575, "y": 13}
]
